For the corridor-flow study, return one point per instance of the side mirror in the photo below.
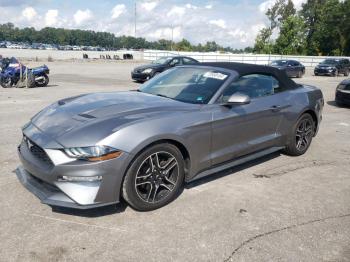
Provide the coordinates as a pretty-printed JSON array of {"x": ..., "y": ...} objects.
[{"x": 238, "y": 99}]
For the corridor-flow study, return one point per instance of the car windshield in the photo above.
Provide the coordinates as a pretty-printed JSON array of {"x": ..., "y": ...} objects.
[
  {"x": 162, "y": 60},
  {"x": 186, "y": 84},
  {"x": 330, "y": 62},
  {"x": 279, "y": 63}
]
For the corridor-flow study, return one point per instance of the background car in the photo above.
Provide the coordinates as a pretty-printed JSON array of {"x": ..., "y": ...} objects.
[
  {"x": 146, "y": 72},
  {"x": 342, "y": 93},
  {"x": 187, "y": 123},
  {"x": 293, "y": 68},
  {"x": 333, "y": 67}
]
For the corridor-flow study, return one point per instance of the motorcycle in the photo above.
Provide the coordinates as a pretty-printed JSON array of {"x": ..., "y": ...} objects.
[{"x": 13, "y": 72}]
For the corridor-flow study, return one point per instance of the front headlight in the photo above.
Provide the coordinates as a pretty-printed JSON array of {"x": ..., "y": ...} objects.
[
  {"x": 93, "y": 153},
  {"x": 147, "y": 71},
  {"x": 341, "y": 87}
]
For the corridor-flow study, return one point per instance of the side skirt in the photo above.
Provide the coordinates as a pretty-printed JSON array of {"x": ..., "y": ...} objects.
[{"x": 235, "y": 162}]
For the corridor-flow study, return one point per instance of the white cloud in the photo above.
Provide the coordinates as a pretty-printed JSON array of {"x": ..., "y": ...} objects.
[
  {"x": 239, "y": 34},
  {"x": 208, "y": 6},
  {"x": 166, "y": 33},
  {"x": 218, "y": 22},
  {"x": 81, "y": 16},
  {"x": 177, "y": 11},
  {"x": 190, "y": 6},
  {"x": 118, "y": 10},
  {"x": 51, "y": 17},
  {"x": 264, "y": 6},
  {"x": 29, "y": 13},
  {"x": 149, "y": 6}
]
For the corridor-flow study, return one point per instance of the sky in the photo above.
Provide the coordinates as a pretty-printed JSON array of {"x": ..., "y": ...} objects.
[{"x": 233, "y": 23}]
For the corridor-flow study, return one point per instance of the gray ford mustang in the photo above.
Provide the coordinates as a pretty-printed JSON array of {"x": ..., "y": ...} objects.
[{"x": 143, "y": 145}]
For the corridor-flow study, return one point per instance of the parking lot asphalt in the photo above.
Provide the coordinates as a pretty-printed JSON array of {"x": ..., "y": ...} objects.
[{"x": 278, "y": 208}]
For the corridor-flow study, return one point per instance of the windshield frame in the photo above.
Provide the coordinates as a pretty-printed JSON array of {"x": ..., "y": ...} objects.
[{"x": 231, "y": 75}]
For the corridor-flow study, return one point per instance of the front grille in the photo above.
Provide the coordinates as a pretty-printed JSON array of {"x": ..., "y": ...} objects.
[{"x": 37, "y": 151}]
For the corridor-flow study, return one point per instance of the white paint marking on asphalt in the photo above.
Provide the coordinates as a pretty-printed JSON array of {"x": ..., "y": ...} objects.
[
  {"x": 343, "y": 124},
  {"x": 78, "y": 223}
]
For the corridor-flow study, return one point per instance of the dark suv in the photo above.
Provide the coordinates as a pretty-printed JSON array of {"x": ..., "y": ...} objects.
[
  {"x": 333, "y": 67},
  {"x": 145, "y": 72}
]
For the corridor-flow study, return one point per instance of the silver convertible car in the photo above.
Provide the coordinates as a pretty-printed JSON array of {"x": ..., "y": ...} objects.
[{"x": 143, "y": 145}]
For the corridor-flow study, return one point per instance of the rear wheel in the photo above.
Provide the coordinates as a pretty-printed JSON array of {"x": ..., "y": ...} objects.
[
  {"x": 155, "y": 177},
  {"x": 44, "y": 81},
  {"x": 301, "y": 137}
]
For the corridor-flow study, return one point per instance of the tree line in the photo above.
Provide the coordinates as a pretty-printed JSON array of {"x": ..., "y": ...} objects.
[
  {"x": 75, "y": 37},
  {"x": 320, "y": 27}
]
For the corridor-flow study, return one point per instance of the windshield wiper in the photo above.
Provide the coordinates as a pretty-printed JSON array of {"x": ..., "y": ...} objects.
[{"x": 161, "y": 95}]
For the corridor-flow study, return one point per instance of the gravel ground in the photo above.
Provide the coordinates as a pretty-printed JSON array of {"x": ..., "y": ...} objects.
[{"x": 278, "y": 208}]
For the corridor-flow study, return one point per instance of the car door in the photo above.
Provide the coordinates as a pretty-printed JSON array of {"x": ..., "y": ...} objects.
[{"x": 243, "y": 129}]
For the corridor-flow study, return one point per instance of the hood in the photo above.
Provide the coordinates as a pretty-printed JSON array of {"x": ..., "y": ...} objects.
[
  {"x": 95, "y": 116},
  {"x": 279, "y": 67},
  {"x": 153, "y": 66}
]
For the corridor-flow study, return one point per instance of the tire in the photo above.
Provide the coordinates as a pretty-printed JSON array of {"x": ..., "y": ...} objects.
[
  {"x": 145, "y": 190},
  {"x": 45, "y": 83},
  {"x": 336, "y": 73},
  {"x": 6, "y": 82},
  {"x": 346, "y": 73},
  {"x": 301, "y": 137},
  {"x": 300, "y": 74}
]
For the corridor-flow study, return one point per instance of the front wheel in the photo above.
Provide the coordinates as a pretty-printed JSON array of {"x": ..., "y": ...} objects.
[
  {"x": 6, "y": 82},
  {"x": 154, "y": 178},
  {"x": 301, "y": 137}
]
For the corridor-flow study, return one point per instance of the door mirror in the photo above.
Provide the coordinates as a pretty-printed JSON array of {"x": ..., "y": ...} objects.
[{"x": 238, "y": 99}]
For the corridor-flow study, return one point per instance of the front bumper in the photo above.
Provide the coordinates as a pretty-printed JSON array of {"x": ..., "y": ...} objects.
[
  {"x": 321, "y": 71},
  {"x": 42, "y": 179},
  {"x": 49, "y": 194},
  {"x": 140, "y": 76},
  {"x": 342, "y": 97}
]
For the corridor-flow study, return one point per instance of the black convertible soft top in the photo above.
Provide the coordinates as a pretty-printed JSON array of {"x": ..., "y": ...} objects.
[{"x": 246, "y": 69}]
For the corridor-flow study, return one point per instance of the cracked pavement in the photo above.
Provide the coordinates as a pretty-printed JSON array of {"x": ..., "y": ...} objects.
[{"x": 277, "y": 208}]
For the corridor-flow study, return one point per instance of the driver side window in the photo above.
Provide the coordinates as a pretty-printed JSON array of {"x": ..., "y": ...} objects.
[
  {"x": 175, "y": 62},
  {"x": 254, "y": 86}
]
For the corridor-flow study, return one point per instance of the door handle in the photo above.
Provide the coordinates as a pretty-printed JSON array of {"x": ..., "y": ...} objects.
[{"x": 276, "y": 108}]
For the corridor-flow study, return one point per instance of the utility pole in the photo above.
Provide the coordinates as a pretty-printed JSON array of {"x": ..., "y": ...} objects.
[
  {"x": 172, "y": 37},
  {"x": 135, "y": 18}
]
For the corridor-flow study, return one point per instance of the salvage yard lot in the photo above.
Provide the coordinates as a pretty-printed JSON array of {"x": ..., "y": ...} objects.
[{"x": 278, "y": 208}]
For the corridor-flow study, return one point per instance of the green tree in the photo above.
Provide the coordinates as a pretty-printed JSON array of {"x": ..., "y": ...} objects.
[{"x": 291, "y": 39}]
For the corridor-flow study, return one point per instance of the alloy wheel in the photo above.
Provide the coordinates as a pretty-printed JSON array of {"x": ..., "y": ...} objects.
[
  {"x": 304, "y": 134},
  {"x": 157, "y": 177}
]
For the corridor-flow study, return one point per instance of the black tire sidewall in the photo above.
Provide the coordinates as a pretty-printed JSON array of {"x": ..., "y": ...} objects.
[
  {"x": 291, "y": 148},
  {"x": 129, "y": 191}
]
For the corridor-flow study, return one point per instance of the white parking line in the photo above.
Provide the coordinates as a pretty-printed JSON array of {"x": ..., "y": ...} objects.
[{"x": 343, "y": 124}]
